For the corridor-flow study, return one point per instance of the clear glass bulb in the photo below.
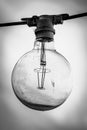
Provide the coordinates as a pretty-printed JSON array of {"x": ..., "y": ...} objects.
[{"x": 41, "y": 79}]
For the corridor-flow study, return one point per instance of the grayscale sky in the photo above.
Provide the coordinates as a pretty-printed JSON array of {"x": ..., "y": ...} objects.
[{"x": 70, "y": 40}]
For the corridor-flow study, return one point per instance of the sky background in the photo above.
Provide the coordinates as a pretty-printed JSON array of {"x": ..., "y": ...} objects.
[{"x": 70, "y": 40}]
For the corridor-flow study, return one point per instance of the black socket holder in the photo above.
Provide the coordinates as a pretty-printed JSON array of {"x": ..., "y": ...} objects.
[
  {"x": 44, "y": 30},
  {"x": 44, "y": 25}
]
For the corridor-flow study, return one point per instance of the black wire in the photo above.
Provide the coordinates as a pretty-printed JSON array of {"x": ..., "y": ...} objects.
[
  {"x": 13, "y": 23},
  {"x": 75, "y": 16},
  {"x": 30, "y": 22}
]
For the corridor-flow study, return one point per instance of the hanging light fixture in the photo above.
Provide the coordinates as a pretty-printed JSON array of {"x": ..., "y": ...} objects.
[{"x": 41, "y": 79}]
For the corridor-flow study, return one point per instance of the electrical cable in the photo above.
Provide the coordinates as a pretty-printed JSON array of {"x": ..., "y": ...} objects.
[{"x": 33, "y": 20}]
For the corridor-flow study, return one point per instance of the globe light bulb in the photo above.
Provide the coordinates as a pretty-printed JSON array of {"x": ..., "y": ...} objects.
[{"x": 41, "y": 79}]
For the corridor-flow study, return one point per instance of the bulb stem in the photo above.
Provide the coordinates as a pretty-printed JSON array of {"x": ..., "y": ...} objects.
[
  {"x": 43, "y": 64},
  {"x": 43, "y": 77},
  {"x": 43, "y": 55}
]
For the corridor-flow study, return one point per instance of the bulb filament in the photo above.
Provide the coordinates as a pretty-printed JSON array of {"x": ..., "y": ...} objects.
[{"x": 41, "y": 72}]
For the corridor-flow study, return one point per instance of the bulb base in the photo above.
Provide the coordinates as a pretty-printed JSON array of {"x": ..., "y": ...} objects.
[{"x": 44, "y": 30}]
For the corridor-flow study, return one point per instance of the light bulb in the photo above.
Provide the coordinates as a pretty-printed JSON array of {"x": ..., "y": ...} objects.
[{"x": 41, "y": 79}]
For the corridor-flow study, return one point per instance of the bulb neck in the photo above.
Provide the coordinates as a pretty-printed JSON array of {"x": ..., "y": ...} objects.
[
  {"x": 48, "y": 45},
  {"x": 44, "y": 30}
]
